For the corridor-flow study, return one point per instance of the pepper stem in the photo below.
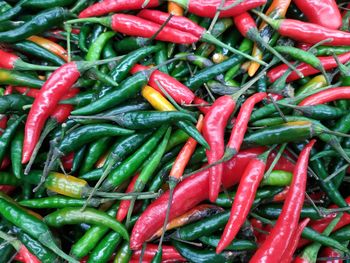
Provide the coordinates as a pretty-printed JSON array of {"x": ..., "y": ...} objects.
[
  {"x": 211, "y": 39},
  {"x": 105, "y": 21},
  {"x": 275, "y": 24},
  {"x": 129, "y": 196},
  {"x": 21, "y": 65}
]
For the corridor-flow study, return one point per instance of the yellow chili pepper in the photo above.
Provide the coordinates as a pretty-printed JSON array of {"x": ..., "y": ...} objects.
[
  {"x": 315, "y": 83},
  {"x": 175, "y": 9},
  {"x": 51, "y": 46},
  {"x": 156, "y": 99}
]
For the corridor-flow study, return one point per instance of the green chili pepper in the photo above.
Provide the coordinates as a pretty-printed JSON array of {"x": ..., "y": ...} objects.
[
  {"x": 14, "y": 103},
  {"x": 7, "y": 251},
  {"x": 235, "y": 245},
  {"x": 123, "y": 68},
  {"x": 7, "y": 178},
  {"x": 43, "y": 254},
  {"x": 91, "y": 238},
  {"x": 96, "y": 31},
  {"x": 83, "y": 34},
  {"x": 329, "y": 51},
  {"x": 161, "y": 56},
  {"x": 17, "y": 78},
  {"x": 45, "y": 4},
  {"x": 89, "y": 215},
  {"x": 16, "y": 153},
  {"x": 89, "y": 133},
  {"x": 126, "y": 90},
  {"x": 59, "y": 202},
  {"x": 146, "y": 119},
  {"x": 33, "y": 49},
  {"x": 132, "y": 163},
  {"x": 314, "y": 84},
  {"x": 123, "y": 254},
  {"x": 128, "y": 44},
  {"x": 320, "y": 112},
  {"x": 178, "y": 137},
  {"x": 225, "y": 200},
  {"x": 278, "y": 178},
  {"x": 11, "y": 11},
  {"x": 272, "y": 211},
  {"x": 9, "y": 133},
  {"x": 94, "y": 152},
  {"x": 78, "y": 159},
  {"x": 38, "y": 24},
  {"x": 198, "y": 255},
  {"x": 108, "y": 51},
  {"x": 38, "y": 229},
  {"x": 105, "y": 248},
  {"x": 342, "y": 234}
]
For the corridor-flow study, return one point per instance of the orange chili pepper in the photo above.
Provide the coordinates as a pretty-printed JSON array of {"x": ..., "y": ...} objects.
[{"x": 51, "y": 46}]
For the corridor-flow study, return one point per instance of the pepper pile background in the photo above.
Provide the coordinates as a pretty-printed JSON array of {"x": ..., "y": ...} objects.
[{"x": 179, "y": 131}]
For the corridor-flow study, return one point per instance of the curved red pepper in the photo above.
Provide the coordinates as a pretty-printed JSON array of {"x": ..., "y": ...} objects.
[
  {"x": 178, "y": 22},
  {"x": 324, "y": 13},
  {"x": 243, "y": 201},
  {"x": 109, "y": 6},
  {"x": 327, "y": 95},
  {"x": 193, "y": 190},
  {"x": 282, "y": 233},
  {"x": 136, "y": 26},
  {"x": 327, "y": 62},
  {"x": 208, "y": 8},
  {"x": 7, "y": 60},
  {"x": 125, "y": 204},
  {"x": 57, "y": 85},
  {"x": 288, "y": 254},
  {"x": 214, "y": 125},
  {"x": 178, "y": 91},
  {"x": 169, "y": 253}
]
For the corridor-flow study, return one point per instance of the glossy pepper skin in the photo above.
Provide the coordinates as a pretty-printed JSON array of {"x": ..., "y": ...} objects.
[
  {"x": 324, "y": 13},
  {"x": 45, "y": 103},
  {"x": 108, "y": 6},
  {"x": 214, "y": 125},
  {"x": 282, "y": 233},
  {"x": 190, "y": 192},
  {"x": 326, "y": 96}
]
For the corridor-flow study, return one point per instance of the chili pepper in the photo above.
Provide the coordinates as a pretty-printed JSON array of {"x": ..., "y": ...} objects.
[
  {"x": 94, "y": 152},
  {"x": 277, "y": 178},
  {"x": 107, "y": 6},
  {"x": 272, "y": 211},
  {"x": 50, "y": 46},
  {"x": 197, "y": 255},
  {"x": 131, "y": 164},
  {"x": 316, "y": 12},
  {"x": 161, "y": 56},
  {"x": 277, "y": 9},
  {"x": 129, "y": 44},
  {"x": 310, "y": 253},
  {"x": 58, "y": 202},
  {"x": 120, "y": 72},
  {"x": 125, "y": 204},
  {"x": 169, "y": 252},
  {"x": 331, "y": 255},
  {"x": 326, "y": 96},
  {"x": 184, "y": 24},
  {"x": 83, "y": 35},
  {"x": 329, "y": 51},
  {"x": 17, "y": 78},
  {"x": 308, "y": 32},
  {"x": 210, "y": 7},
  {"x": 191, "y": 191},
  {"x": 251, "y": 178},
  {"x": 11, "y": 12},
  {"x": 124, "y": 254},
  {"x": 319, "y": 112},
  {"x": 327, "y": 62},
  {"x": 209, "y": 73},
  {"x": 8, "y": 179},
  {"x": 78, "y": 159},
  {"x": 89, "y": 240},
  {"x": 27, "y": 257},
  {"x": 146, "y": 119},
  {"x": 288, "y": 253},
  {"x": 89, "y": 215},
  {"x": 46, "y": 4},
  {"x": 280, "y": 236},
  {"x": 13, "y": 103},
  {"x": 16, "y": 154},
  {"x": 38, "y": 229},
  {"x": 104, "y": 250},
  {"x": 247, "y": 27},
  {"x": 50, "y": 94},
  {"x": 12, "y": 61},
  {"x": 38, "y": 24}
]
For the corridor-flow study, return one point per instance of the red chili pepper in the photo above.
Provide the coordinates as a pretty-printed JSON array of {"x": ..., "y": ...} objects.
[
  {"x": 327, "y": 62},
  {"x": 208, "y": 8},
  {"x": 280, "y": 197},
  {"x": 257, "y": 227},
  {"x": 191, "y": 192},
  {"x": 27, "y": 91},
  {"x": 6, "y": 188},
  {"x": 308, "y": 32},
  {"x": 333, "y": 255},
  {"x": 248, "y": 185},
  {"x": 199, "y": 101},
  {"x": 282, "y": 233},
  {"x": 215, "y": 122},
  {"x": 327, "y": 96},
  {"x": 178, "y": 91},
  {"x": 5, "y": 163},
  {"x": 125, "y": 204},
  {"x": 109, "y": 6},
  {"x": 292, "y": 246},
  {"x": 25, "y": 256},
  {"x": 169, "y": 252},
  {"x": 324, "y": 13},
  {"x": 67, "y": 161}
]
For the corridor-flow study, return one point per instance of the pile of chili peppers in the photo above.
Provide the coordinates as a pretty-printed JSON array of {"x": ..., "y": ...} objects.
[{"x": 174, "y": 131}]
